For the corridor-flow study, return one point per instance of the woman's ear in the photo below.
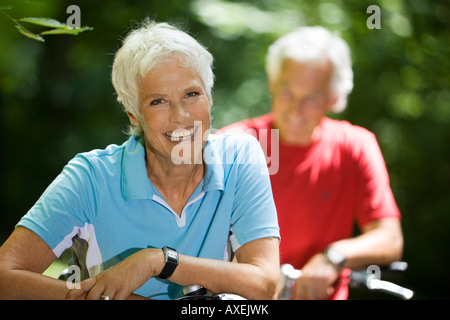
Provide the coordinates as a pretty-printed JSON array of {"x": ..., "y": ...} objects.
[{"x": 133, "y": 120}]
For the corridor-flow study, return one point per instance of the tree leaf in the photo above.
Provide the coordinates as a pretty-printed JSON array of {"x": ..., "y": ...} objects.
[
  {"x": 29, "y": 34},
  {"x": 66, "y": 30},
  {"x": 46, "y": 22}
]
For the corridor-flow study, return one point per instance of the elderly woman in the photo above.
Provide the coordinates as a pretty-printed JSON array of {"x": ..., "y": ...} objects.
[{"x": 168, "y": 208}]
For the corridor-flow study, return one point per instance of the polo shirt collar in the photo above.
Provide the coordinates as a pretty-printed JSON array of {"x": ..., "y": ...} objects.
[{"x": 135, "y": 183}]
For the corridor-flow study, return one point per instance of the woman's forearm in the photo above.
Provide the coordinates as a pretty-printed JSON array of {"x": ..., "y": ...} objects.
[
  {"x": 217, "y": 276},
  {"x": 22, "y": 284},
  {"x": 23, "y": 259},
  {"x": 255, "y": 275}
]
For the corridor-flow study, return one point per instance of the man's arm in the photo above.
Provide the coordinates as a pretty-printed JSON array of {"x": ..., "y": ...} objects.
[{"x": 380, "y": 243}]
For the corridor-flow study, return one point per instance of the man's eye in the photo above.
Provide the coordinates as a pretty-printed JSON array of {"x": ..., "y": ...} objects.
[
  {"x": 310, "y": 98},
  {"x": 313, "y": 98},
  {"x": 285, "y": 93},
  {"x": 156, "y": 102}
]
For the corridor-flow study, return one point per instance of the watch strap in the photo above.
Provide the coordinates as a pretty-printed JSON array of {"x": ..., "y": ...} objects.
[{"x": 171, "y": 262}]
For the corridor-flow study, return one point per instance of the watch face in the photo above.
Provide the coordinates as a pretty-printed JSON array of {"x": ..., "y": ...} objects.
[
  {"x": 172, "y": 255},
  {"x": 335, "y": 256},
  {"x": 171, "y": 260}
]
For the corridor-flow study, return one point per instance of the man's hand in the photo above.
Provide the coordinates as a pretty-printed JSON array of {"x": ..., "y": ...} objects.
[{"x": 317, "y": 279}]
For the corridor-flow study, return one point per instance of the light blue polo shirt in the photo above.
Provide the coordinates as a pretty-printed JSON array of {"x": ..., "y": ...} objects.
[{"x": 106, "y": 201}]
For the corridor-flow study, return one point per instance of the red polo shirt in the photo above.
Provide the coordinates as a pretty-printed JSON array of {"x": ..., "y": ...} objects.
[{"x": 323, "y": 189}]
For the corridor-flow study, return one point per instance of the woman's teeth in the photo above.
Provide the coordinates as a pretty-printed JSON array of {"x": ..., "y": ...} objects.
[{"x": 180, "y": 134}]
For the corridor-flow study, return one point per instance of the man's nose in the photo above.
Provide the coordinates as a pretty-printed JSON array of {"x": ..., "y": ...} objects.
[{"x": 296, "y": 106}]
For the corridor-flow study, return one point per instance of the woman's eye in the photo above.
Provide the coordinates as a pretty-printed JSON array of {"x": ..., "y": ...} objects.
[
  {"x": 192, "y": 94},
  {"x": 156, "y": 102}
]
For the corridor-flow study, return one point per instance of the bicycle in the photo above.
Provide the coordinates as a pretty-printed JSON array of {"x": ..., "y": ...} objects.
[
  {"x": 196, "y": 292},
  {"x": 369, "y": 278}
]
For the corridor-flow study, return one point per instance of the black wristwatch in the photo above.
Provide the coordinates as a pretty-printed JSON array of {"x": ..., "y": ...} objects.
[
  {"x": 335, "y": 257},
  {"x": 171, "y": 260}
]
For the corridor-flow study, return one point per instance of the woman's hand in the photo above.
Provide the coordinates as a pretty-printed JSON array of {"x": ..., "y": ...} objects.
[{"x": 119, "y": 281}]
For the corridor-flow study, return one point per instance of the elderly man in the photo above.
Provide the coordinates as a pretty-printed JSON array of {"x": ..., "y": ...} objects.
[{"x": 331, "y": 173}]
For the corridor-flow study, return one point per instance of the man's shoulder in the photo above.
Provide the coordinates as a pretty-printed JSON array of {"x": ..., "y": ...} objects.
[
  {"x": 349, "y": 138},
  {"x": 247, "y": 125},
  {"x": 343, "y": 129}
]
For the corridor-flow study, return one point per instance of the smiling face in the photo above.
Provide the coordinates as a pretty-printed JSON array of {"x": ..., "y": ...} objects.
[
  {"x": 301, "y": 98},
  {"x": 174, "y": 109}
]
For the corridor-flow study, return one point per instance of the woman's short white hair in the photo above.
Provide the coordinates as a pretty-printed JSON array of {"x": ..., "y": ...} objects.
[
  {"x": 148, "y": 47},
  {"x": 312, "y": 44}
]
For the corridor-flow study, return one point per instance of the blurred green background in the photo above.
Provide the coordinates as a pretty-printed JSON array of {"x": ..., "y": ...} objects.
[{"x": 56, "y": 97}]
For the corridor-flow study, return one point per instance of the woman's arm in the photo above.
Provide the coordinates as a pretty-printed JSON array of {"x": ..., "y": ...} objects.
[
  {"x": 23, "y": 258},
  {"x": 255, "y": 276}
]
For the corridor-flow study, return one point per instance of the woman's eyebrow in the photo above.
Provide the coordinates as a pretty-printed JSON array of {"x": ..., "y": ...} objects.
[
  {"x": 155, "y": 95},
  {"x": 193, "y": 88}
]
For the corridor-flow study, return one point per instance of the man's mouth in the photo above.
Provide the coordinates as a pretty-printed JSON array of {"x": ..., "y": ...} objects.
[
  {"x": 180, "y": 134},
  {"x": 295, "y": 122}
]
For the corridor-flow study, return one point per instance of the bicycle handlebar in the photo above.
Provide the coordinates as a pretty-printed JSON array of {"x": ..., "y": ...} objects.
[
  {"x": 196, "y": 292},
  {"x": 391, "y": 288},
  {"x": 363, "y": 278}
]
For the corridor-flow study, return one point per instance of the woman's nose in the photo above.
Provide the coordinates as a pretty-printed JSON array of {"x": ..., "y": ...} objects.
[{"x": 178, "y": 112}]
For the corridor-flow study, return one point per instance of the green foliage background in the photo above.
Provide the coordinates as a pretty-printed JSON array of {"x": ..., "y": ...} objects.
[{"x": 56, "y": 98}]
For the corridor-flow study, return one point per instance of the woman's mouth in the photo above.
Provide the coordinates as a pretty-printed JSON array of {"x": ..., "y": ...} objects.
[{"x": 181, "y": 134}]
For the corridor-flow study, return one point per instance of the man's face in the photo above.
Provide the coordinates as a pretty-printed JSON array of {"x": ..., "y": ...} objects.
[{"x": 301, "y": 97}]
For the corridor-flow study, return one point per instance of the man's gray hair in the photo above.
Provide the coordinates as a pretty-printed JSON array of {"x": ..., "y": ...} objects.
[
  {"x": 149, "y": 47},
  {"x": 313, "y": 44}
]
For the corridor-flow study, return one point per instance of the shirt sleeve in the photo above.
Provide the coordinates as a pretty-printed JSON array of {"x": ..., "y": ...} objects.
[
  {"x": 254, "y": 215},
  {"x": 67, "y": 205},
  {"x": 375, "y": 198}
]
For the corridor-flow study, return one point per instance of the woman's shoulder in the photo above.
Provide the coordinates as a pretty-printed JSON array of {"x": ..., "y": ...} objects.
[
  {"x": 108, "y": 157},
  {"x": 233, "y": 148},
  {"x": 232, "y": 139}
]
